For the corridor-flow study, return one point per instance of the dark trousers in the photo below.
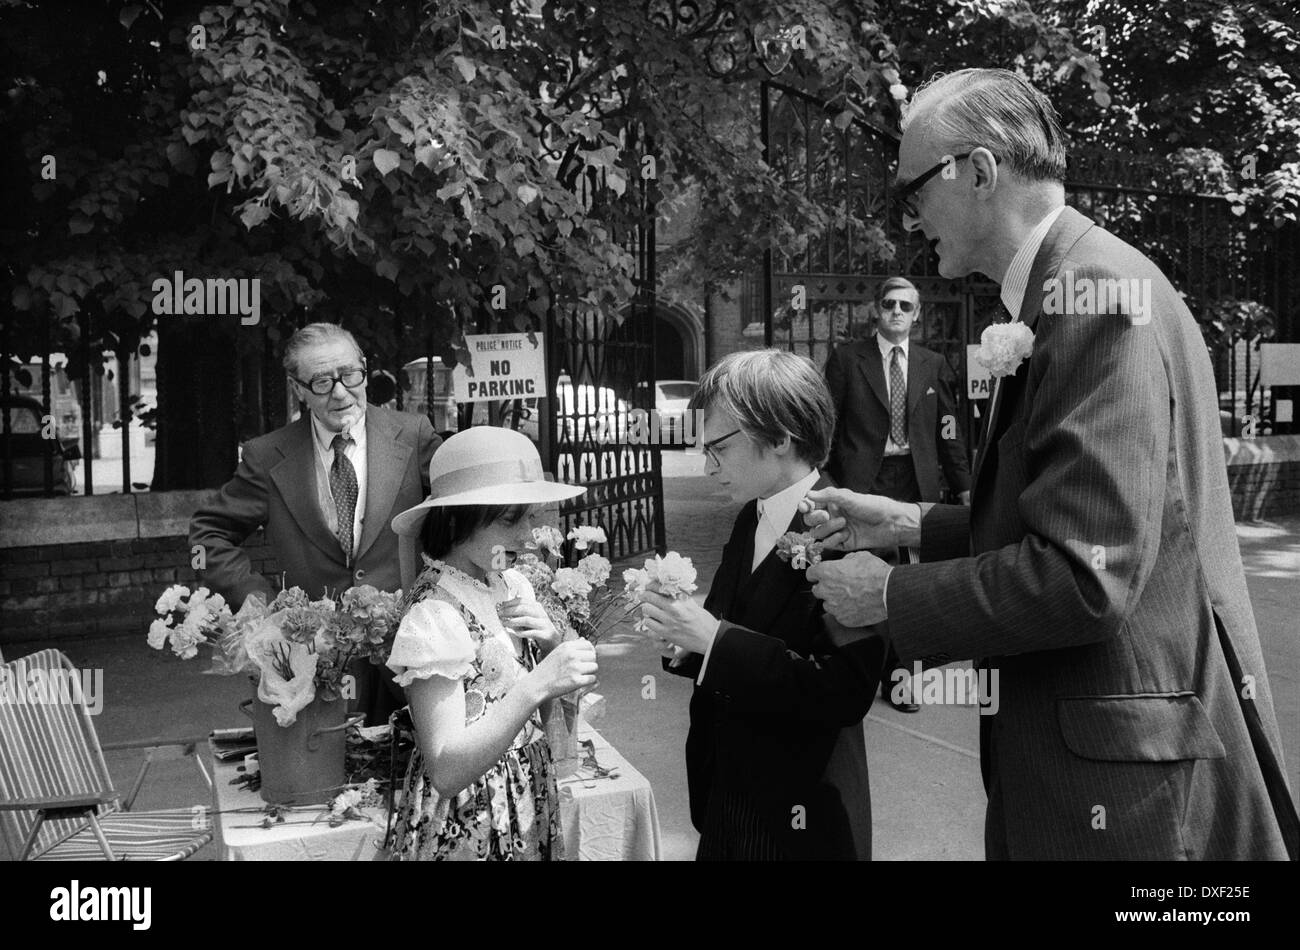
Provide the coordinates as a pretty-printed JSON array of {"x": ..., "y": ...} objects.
[
  {"x": 896, "y": 480},
  {"x": 733, "y": 831}
]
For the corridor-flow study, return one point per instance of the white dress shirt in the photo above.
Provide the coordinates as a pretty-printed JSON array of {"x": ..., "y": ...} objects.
[
  {"x": 356, "y": 454},
  {"x": 1016, "y": 280},
  {"x": 775, "y": 514},
  {"x": 886, "y": 358}
]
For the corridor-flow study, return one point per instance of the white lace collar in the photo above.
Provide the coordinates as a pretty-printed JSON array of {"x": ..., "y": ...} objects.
[{"x": 478, "y": 597}]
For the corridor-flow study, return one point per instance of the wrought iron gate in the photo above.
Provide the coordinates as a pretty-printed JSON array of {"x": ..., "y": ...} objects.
[
  {"x": 601, "y": 370},
  {"x": 1210, "y": 254},
  {"x": 847, "y": 172}
]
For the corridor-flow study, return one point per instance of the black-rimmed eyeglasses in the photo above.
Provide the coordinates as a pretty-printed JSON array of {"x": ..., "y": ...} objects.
[
  {"x": 709, "y": 447},
  {"x": 906, "y": 194},
  {"x": 324, "y": 385}
]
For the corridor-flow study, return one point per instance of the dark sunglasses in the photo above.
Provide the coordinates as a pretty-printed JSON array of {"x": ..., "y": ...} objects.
[
  {"x": 904, "y": 305},
  {"x": 906, "y": 194}
]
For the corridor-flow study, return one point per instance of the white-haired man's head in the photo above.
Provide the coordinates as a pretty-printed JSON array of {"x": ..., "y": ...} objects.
[
  {"x": 325, "y": 352},
  {"x": 983, "y": 152}
]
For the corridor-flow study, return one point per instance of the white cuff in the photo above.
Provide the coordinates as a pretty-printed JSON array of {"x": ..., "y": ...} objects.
[{"x": 699, "y": 680}]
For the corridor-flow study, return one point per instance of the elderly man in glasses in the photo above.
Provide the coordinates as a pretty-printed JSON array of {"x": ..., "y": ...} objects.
[
  {"x": 325, "y": 488},
  {"x": 896, "y": 424}
]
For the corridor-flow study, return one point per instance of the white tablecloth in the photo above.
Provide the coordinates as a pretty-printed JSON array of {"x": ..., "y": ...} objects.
[{"x": 606, "y": 819}]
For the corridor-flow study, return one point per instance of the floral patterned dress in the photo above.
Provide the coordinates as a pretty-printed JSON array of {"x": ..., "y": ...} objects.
[{"x": 511, "y": 813}]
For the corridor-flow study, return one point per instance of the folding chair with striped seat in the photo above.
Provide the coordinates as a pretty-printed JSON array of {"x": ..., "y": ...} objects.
[{"x": 57, "y": 801}]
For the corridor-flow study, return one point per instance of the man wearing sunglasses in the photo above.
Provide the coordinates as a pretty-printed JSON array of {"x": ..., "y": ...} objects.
[
  {"x": 896, "y": 424},
  {"x": 325, "y": 488},
  {"x": 1096, "y": 570}
]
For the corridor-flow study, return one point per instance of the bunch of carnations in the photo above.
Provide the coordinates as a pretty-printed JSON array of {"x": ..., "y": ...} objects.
[
  {"x": 671, "y": 575},
  {"x": 298, "y": 647},
  {"x": 575, "y": 598}
]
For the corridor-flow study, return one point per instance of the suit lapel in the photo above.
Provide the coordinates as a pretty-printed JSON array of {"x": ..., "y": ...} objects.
[
  {"x": 874, "y": 372},
  {"x": 917, "y": 363},
  {"x": 737, "y": 555},
  {"x": 295, "y": 477},
  {"x": 386, "y": 460},
  {"x": 773, "y": 582},
  {"x": 1063, "y": 235}
]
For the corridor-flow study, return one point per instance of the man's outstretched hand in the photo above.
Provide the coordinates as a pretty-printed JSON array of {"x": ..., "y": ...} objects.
[
  {"x": 848, "y": 521},
  {"x": 853, "y": 588}
]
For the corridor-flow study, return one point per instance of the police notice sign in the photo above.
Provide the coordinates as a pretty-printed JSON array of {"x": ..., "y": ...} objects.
[
  {"x": 504, "y": 366},
  {"x": 979, "y": 381}
]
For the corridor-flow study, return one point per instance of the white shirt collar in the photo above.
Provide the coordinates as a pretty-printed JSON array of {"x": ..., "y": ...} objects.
[
  {"x": 779, "y": 509},
  {"x": 325, "y": 438},
  {"x": 1016, "y": 281},
  {"x": 886, "y": 348}
]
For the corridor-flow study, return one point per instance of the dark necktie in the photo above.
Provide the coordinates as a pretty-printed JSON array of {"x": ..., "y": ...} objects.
[
  {"x": 343, "y": 486},
  {"x": 897, "y": 400}
]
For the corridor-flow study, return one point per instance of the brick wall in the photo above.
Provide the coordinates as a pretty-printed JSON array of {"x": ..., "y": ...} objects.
[
  {"x": 89, "y": 567},
  {"x": 727, "y": 331},
  {"x": 1264, "y": 476}
]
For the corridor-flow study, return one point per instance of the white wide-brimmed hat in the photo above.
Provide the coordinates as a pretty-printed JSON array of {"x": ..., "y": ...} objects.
[{"x": 485, "y": 465}]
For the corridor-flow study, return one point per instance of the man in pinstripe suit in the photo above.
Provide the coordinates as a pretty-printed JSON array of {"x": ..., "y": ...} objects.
[{"x": 1097, "y": 568}]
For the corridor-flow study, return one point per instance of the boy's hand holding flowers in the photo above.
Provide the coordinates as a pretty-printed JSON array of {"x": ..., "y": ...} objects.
[
  {"x": 663, "y": 588},
  {"x": 679, "y": 621}
]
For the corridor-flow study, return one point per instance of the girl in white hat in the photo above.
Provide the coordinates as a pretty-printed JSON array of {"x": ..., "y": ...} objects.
[{"x": 477, "y": 657}]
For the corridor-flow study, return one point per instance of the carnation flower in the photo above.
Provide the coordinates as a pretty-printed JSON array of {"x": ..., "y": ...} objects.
[
  {"x": 584, "y": 535},
  {"x": 538, "y": 575},
  {"x": 292, "y": 597},
  {"x": 158, "y": 633},
  {"x": 801, "y": 550},
  {"x": 349, "y": 802},
  {"x": 1003, "y": 346},
  {"x": 196, "y": 599},
  {"x": 187, "y": 637},
  {"x": 300, "y": 624},
  {"x": 674, "y": 575},
  {"x": 570, "y": 582},
  {"x": 547, "y": 538},
  {"x": 595, "y": 568},
  {"x": 636, "y": 580},
  {"x": 170, "y": 599}
]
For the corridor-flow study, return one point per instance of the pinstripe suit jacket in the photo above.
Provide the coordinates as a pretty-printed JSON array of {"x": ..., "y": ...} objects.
[{"x": 1098, "y": 569}]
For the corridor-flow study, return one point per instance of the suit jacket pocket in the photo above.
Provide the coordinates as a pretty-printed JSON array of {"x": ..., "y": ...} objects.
[{"x": 1159, "y": 728}]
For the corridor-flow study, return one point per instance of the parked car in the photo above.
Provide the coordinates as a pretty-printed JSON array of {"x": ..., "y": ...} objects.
[{"x": 26, "y": 448}]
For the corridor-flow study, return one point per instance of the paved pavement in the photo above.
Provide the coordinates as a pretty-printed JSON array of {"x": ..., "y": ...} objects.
[{"x": 927, "y": 800}]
